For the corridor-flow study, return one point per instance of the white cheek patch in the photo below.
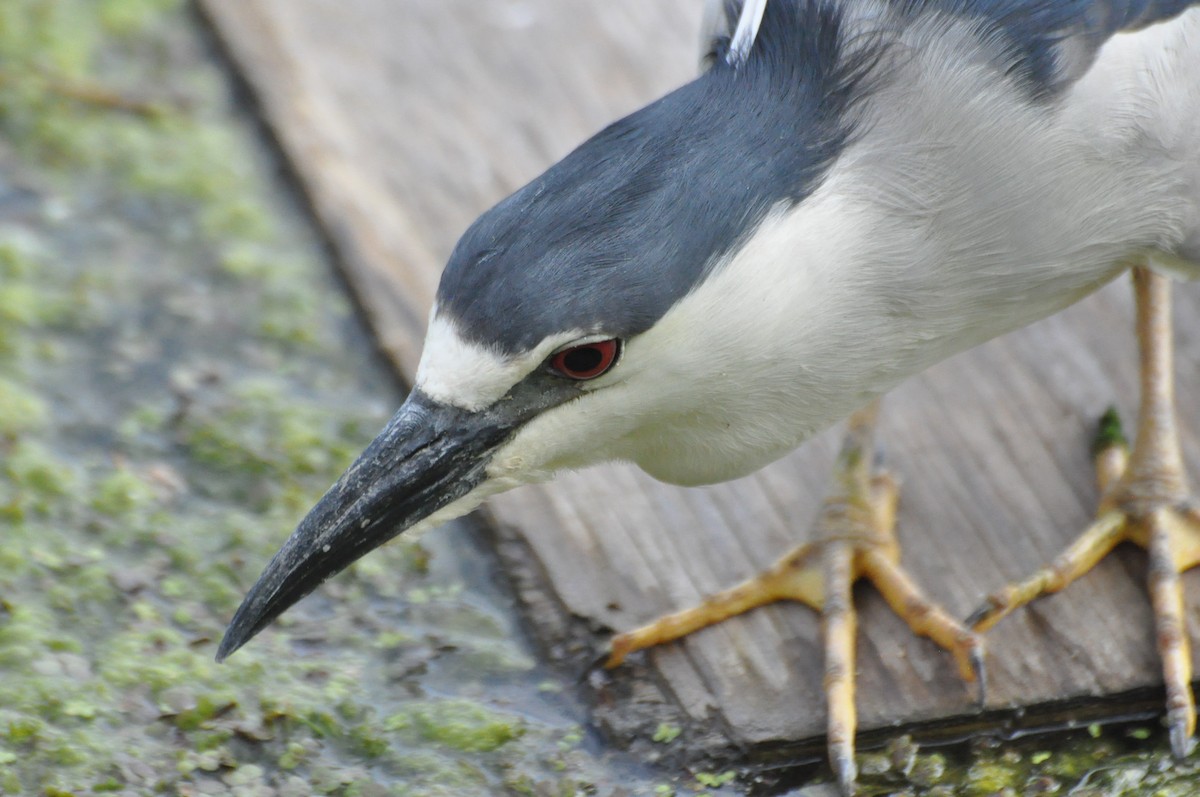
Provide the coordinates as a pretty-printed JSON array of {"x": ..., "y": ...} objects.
[
  {"x": 463, "y": 373},
  {"x": 470, "y": 375}
]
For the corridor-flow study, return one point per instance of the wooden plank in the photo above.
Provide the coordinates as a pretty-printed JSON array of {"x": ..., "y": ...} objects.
[{"x": 405, "y": 119}]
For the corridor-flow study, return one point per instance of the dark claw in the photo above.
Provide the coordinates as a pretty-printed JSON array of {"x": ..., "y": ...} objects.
[
  {"x": 847, "y": 774},
  {"x": 980, "y": 614},
  {"x": 980, "y": 668},
  {"x": 1181, "y": 743},
  {"x": 879, "y": 461},
  {"x": 600, "y": 662}
]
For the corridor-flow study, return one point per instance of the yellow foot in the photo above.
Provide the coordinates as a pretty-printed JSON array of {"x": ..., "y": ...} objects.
[
  {"x": 1155, "y": 515},
  {"x": 855, "y": 538},
  {"x": 1145, "y": 500}
]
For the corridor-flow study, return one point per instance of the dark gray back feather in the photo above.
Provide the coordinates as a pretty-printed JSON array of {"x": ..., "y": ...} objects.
[
  {"x": 1032, "y": 32},
  {"x": 625, "y": 226}
]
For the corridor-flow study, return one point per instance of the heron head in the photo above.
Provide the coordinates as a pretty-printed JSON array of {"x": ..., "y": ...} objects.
[{"x": 592, "y": 315}]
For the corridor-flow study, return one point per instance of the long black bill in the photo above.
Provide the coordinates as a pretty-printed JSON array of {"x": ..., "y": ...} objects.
[{"x": 429, "y": 455}]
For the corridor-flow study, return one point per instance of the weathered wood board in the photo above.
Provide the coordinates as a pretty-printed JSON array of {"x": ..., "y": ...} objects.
[{"x": 406, "y": 118}]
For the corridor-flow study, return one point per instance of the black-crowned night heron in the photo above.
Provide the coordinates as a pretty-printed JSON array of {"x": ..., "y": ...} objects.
[{"x": 852, "y": 191}]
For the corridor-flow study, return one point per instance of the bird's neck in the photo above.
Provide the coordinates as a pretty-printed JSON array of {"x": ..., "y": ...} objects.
[{"x": 962, "y": 211}]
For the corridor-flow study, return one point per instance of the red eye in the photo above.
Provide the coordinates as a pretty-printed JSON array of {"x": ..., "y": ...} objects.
[{"x": 587, "y": 361}]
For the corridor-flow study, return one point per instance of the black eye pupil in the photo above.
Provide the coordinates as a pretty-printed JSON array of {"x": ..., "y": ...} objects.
[
  {"x": 587, "y": 360},
  {"x": 583, "y": 359}
]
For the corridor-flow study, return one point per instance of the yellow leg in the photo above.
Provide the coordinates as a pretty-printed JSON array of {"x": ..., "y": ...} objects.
[
  {"x": 840, "y": 626},
  {"x": 1166, "y": 593},
  {"x": 1144, "y": 500},
  {"x": 854, "y": 537}
]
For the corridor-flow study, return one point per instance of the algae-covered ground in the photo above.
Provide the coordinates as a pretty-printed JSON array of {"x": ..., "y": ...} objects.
[{"x": 181, "y": 376}]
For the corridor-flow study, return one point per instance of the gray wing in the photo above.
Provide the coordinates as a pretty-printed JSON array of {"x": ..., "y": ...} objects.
[
  {"x": 1098, "y": 19},
  {"x": 1036, "y": 29},
  {"x": 1055, "y": 41}
]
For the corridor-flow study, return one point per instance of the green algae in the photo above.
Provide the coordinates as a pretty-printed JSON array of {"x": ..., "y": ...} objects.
[
  {"x": 712, "y": 780},
  {"x": 122, "y": 493},
  {"x": 457, "y": 724},
  {"x": 21, "y": 410},
  {"x": 1117, "y": 761},
  {"x": 666, "y": 732},
  {"x": 179, "y": 381}
]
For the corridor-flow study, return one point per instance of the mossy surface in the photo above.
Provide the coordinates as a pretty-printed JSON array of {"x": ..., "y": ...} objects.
[
  {"x": 1121, "y": 760},
  {"x": 180, "y": 378}
]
